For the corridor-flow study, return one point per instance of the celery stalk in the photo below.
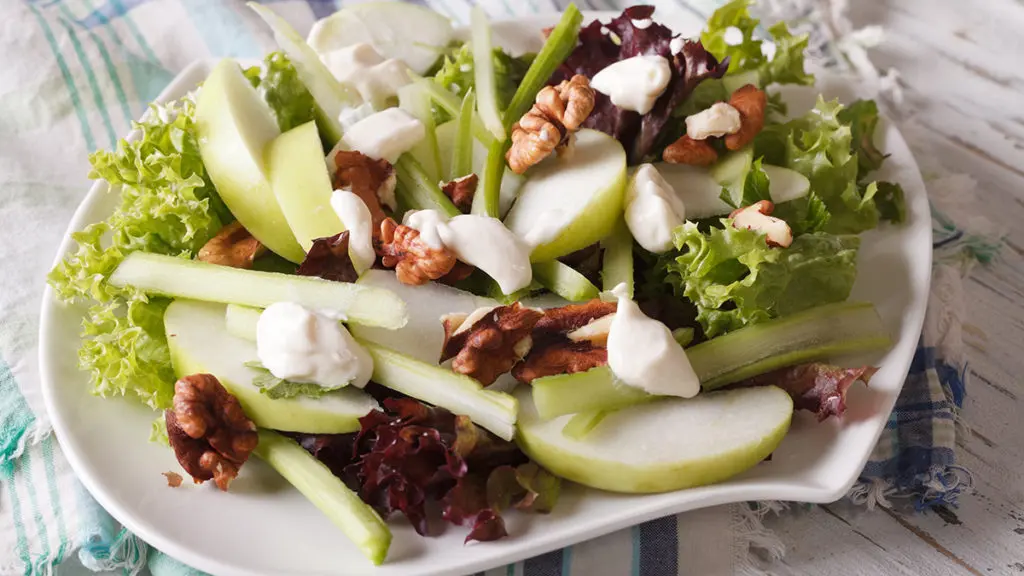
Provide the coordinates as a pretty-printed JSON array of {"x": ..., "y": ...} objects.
[
  {"x": 581, "y": 424},
  {"x": 450, "y": 103},
  {"x": 180, "y": 278},
  {"x": 617, "y": 262},
  {"x": 357, "y": 519},
  {"x": 462, "y": 151},
  {"x": 803, "y": 337},
  {"x": 417, "y": 191},
  {"x": 564, "y": 281},
  {"x": 413, "y": 99},
  {"x": 483, "y": 73},
  {"x": 559, "y": 45},
  {"x": 433, "y": 384}
]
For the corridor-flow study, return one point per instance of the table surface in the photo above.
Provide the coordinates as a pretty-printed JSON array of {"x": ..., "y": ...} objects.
[{"x": 964, "y": 113}]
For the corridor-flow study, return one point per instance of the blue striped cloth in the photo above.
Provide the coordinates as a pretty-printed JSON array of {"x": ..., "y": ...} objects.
[{"x": 76, "y": 72}]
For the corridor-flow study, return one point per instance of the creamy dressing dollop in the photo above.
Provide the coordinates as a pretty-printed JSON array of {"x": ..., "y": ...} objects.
[
  {"x": 642, "y": 352},
  {"x": 634, "y": 83},
  {"x": 385, "y": 135},
  {"x": 356, "y": 217},
  {"x": 480, "y": 241},
  {"x": 375, "y": 78},
  {"x": 653, "y": 209},
  {"x": 301, "y": 345}
]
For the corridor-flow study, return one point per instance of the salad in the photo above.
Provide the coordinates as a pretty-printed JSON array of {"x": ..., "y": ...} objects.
[{"x": 424, "y": 276}]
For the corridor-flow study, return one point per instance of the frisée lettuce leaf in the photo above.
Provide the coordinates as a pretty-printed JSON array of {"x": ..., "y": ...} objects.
[
  {"x": 735, "y": 279},
  {"x": 456, "y": 73},
  {"x": 167, "y": 206},
  {"x": 279, "y": 84}
]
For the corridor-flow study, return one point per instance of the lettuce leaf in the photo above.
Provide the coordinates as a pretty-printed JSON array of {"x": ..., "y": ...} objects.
[
  {"x": 456, "y": 73},
  {"x": 862, "y": 117},
  {"x": 279, "y": 84},
  {"x": 167, "y": 206},
  {"x": 786, "y": 66},
  {"x": 735, "y": 279},
  {"x": 275, "y": 388}
]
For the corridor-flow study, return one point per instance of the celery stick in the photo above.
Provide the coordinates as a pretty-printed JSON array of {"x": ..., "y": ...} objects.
[
  {"x": 417, "y": 191},
  {"x": 450, "y": 103},
  {"x": 495, "y": 411},
  {"x": 581, "y": 424},
  {"x": 483, "y": 73},
  {"x": 803, "y": 337},
  {"x": 559, "y": 45},
  {"x": 414, "y": 99},
  {"x": 683, "y": 336},
  {"x": 617, "y": 262},
  {"x": 564, "y": 281},
  {"x": 180, "y": 278},
  {"x": 358, "y": 520},
  {"x": 462, "y": 151}
]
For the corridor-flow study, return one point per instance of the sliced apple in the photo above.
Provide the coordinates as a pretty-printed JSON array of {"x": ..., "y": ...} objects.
[
  {"x": 571, "y": 202},
  {"x": 199, "y": 343},
  {"x": 235, "y": 126},
  {"x": 301, "y": 184},
  {"x": 661, "y": 446},
  {"x": 701, "y": 192},
  {"x": 422, "y": 336},
  {"x": 413, "y": 34}
]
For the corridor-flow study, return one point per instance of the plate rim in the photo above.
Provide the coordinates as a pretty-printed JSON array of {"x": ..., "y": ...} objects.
[{"x": 914, "y": 317}]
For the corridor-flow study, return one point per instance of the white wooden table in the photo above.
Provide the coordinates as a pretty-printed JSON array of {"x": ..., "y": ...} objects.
[{"x": 963, "y": 65}]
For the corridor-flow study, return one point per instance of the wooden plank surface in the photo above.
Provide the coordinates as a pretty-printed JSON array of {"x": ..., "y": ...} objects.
[{"x": 961, "y": 63}]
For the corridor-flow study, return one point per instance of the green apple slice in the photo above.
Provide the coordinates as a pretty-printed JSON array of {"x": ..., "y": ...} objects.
[
  {"x": 578, "y": 196},
  {"x": 701, "y": 192},
  {"x": 199, "y": 343},
  {"x": 180, "y": 278},
  {"x": 357, "y": 519},
  {"x": 234, "y": 127},
  {"x": 661, "y": 446},
  {"x": 423, "y": 335},
  {"x": 301, "y": 184},
  {"x": 413, "y": 34}
]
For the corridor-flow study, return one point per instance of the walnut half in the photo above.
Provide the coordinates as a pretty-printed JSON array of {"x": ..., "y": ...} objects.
[
  {"x": 233, "y": 246},
  {"x": 415, "y": 262},
  {"x": 490, "y": 341},
  {"x": 210, "y": 434},
  {"x": 557, "y": 113},
  {"x": 567, "y": 340}
]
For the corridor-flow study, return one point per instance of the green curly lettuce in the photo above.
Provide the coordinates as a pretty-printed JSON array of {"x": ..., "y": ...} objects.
[
  {"x": 734, "y": 278},
  {"x": 167, "y": 206},
  {"x": 279, "y": 84},
  {"x": 456, "y": 73},
  {"x": 786, "y": 66}
]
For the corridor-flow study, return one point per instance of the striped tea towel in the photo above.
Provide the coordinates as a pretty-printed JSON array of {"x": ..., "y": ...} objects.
[{"x": 76, "y": 72}]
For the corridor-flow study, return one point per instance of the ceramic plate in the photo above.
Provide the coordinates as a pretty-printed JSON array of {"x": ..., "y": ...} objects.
[{"x": 263, "y": 526}]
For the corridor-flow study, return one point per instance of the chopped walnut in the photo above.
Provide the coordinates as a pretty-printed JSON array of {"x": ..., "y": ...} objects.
[
  {"x": 461, "y": 191},
  {"x": 372, "y": 180},
  {"x": 560, "y": 358},
  {"x": 459, "y": 272},
  {"x": 691, "y": 152},
  {"x": 572, "y": 317},
  {"x": 557, "y": 113},
  {"x": 750, "y": 101},
  {"x": 173, "y": 479},
  {"x": 489, "y": 342},
  {"x": 233, "y": 246},
  {"x": 415, "y": 262},
  {"x": 210, "y": 434}
]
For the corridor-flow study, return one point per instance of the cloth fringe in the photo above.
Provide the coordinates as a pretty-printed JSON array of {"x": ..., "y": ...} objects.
[
  {"x": 754, "y": 545},
  {"x": 940, "y": 486},
  {"x": 126, "y": 553}
]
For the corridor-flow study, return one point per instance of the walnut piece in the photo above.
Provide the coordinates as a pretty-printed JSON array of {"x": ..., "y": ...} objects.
[
  {"x": 210, "y": 434},
  {"x": 489, "y": 342},
  {"x": 566, "y": 319},
  {"x": 233, "y": 246},
  {"x": 415, "y": 262},
  {"x": 173, "y": 479},
  {"x": 557, "y": 113},
  {"x": 757, "y": 217},
  {"x": 458, "y": 273},
  {"x": 372, "y": 180},
  {"x": 461, "y": 191},
  {"x": 691, "y": 152},
  {"x": 750, "y": 101},
  {"x": 560, "y": 358}
]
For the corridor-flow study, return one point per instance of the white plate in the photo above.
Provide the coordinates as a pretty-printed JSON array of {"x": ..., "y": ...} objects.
[{"x": 265, "y": 527}]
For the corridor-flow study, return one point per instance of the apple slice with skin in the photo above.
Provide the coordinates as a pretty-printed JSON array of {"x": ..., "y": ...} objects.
[
  {"x": 199, "y": 343},
  {"x": 576, "y": 199},
  {"x": 661, "y": 446},
  {"x": 234, "y": 127},
  {"x": 301, "y": 184},
  {"x": 701, "y": 192}
]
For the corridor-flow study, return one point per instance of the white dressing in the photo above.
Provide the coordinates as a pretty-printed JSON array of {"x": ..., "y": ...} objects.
[
  {"x": 354, "y": 214},
  {"x": 547, "y": 227},
  {"x": 480, "y": 241},
  {"x": 642, "y": 352},
  {"x": 301, "y": 345},
  {"x": 653, "y": 209},
  {"x": 385, "y": 135},
  {"x": 360, "y": 66},
  {"x": 634, "y": 83},
  {"x": 718, "y": 120}
]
